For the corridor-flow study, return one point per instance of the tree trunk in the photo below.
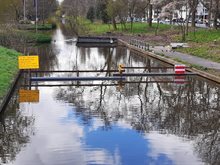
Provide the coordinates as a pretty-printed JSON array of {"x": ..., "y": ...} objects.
[
  {"x": 114, "y": 24},
  {"x": 132, "y": 19},
  {"x": 210, "y": 13},
  {"x": 193, "y": 24},
  {"x": 43, "y": 12},
  {"x": 216, "y": 13},
  {"x": 194, "y": 10},
  {"x": 150, "y": 15}
]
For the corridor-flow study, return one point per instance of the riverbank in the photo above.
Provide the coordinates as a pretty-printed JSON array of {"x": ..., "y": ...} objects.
[
  {"x": 204, "y": 43},
  {"x": 12, "y": 36},
  {"x": 43, "y": 27},
  {"x": 202, "y": 54},
  {"x": 212, "y": 74},
  {"x": 8, "y": 69}
]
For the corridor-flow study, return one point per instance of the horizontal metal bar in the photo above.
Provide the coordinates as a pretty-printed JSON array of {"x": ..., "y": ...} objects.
[
  {"x": 76, "y": 78},
  {"x": 68, "y": 71},
  {"x": 64, "y": 85},
  {"x": 91, "y": 85},
  {"x": 148, "y": 67},
  {"x": 148, "y": 82},
  {"x": 152, "y": 74}
]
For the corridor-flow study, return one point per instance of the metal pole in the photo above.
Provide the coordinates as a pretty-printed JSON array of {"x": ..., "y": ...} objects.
[
  {"x": 152, "y": 74},
  {"x": 73, "y": 71},
  {"x": 36, "y": 14},
  {"x": 76, "y": 78},
  {"x": 91, "y": 85},
  {"x": 24, "y": 9}
]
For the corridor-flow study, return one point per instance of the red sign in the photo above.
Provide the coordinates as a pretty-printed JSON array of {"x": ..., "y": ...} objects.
[{"x": 180, "y": 69}]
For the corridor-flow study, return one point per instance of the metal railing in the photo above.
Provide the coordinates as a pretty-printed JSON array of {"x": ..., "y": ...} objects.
[{"x": 140, "y": 44}]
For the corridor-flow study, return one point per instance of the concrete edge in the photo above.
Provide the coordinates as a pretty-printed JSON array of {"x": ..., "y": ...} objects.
[
  {"x": 6, "y": 99},
  {"x": 172, "y": 62}
]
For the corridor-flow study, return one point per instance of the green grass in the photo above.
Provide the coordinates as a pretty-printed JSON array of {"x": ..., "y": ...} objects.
[
  {"x": 8, "y": 69},
  {"x": 203, "y": 51},
  {"x": 24, "y": 36},
  {"x": 204, "y": 36},
  {"x": 44, "y": 27},
  {"x": 138, "y": 28},
  {"x": 32, "y": 37},
  {"x": 204, "y": 43},
  {"x": 39, "y": 26}
]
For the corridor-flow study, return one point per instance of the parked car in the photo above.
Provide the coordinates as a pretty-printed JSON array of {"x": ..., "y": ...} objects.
[
  {"x": 143, "y": 20},
  {"x": 178, "y": 20},
  {"x": 155, "y": 20},
  {"x": 199, "y": 21},
  {"x": 212, "y": 24}
]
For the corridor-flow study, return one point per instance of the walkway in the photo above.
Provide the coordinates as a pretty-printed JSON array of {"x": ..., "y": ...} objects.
[{"x": 185, "y": 57}]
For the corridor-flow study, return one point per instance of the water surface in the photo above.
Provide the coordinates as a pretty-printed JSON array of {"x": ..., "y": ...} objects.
[{"x": 138, "y": 123}]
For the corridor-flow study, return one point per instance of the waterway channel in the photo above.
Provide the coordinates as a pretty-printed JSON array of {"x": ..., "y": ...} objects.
[{"x": 155, "y": 123}]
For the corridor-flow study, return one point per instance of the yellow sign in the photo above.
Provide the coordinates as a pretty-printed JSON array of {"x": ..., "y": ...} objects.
[
  {"x": 30, "y": 96},
  {"x": 28, "y": 62}
]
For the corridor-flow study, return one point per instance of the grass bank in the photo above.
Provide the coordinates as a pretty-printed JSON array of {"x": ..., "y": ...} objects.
[
  {"x": 39, "y": 27},
  {"x": 138, "y": 28},
  {"x": 204, "y": 43},
  {"x": 8, "y": 69},
  {"x": 33, "y": 37},
  {"x": 18, "y": 36},
  {"x": 98, "y": 28}
]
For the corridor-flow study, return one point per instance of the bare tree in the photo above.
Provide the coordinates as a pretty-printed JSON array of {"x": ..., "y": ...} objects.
[{"x": 216, "y": 13}]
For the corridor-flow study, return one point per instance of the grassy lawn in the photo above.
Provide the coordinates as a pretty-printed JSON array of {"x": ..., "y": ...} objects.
[
  {"x": 8, "y": 69},
  {"x": 204, "y": 43},
  {"x": 39, "y": 26},
  {"x": 98, "y": 28},
  {"x": 24, "y": 36},
  {"x": 35, "y": 37}
]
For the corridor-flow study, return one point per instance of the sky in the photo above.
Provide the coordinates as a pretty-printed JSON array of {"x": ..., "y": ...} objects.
[{"x": 60, "y": 1}]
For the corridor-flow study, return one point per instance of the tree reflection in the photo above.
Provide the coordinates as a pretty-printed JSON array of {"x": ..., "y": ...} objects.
[
  {"x": 190, "y": 110},
  {"x": 15, "y": 132}
]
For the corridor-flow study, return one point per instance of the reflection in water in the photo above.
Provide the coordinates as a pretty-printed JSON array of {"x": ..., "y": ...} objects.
[
  {"x": 15, "y": 131},
  {"x": 140, "y": 123},
  {"x": 190, "y": 111}
]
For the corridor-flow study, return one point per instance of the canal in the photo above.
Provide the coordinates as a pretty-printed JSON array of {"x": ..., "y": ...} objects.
[{"x": 159, "y": 122}]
